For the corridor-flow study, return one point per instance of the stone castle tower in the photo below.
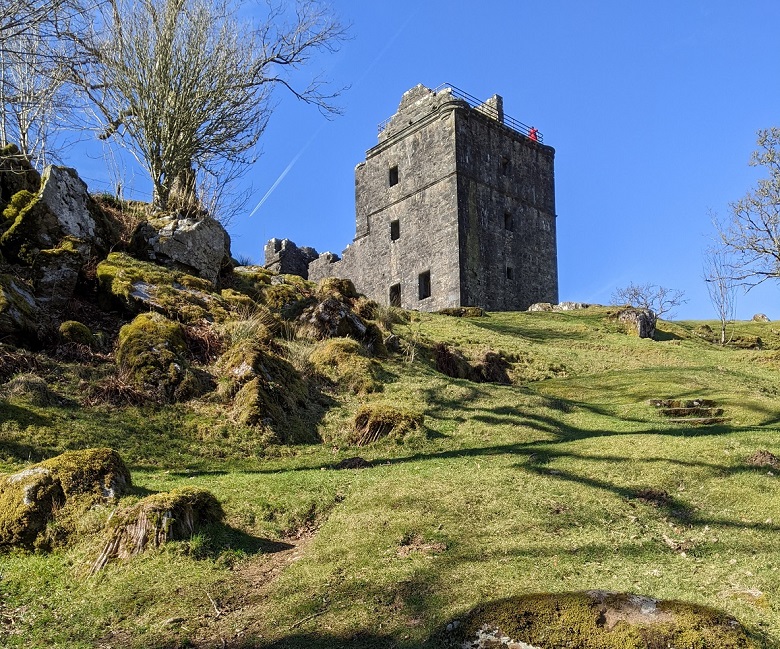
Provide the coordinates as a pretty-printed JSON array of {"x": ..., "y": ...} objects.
[{"x": 455, "y": 206}]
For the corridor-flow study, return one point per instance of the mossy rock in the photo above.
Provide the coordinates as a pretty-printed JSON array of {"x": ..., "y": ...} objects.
[
  {"x": 20, "y": 314},
  {"x": 153, "y": 350},
  {"x": 594, "y": 620},
  {"x": 268, "y": 393},
  {"x": 73, "y": 331},
  {"x": 140, "y": 286},
  {"x": 157, "y": 519},
  {"x": 40, "y": 506},
  {"x": 344, "y": 361},
  {"x": 16, "y": 175},
  {"x": 31, "y": 227},
  {"x": 376, "y": 421},
  {"x": 342, "y": 289},
  {"x": 251, "y": 281},
  {"x": 288, "y": 295},
  {"x": 463, "y": 312}
]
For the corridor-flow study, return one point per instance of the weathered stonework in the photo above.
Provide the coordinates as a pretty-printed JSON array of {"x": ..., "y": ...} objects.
[{"x": 455, "y": 206}]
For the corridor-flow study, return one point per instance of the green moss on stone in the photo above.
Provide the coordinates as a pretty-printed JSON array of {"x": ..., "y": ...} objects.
[
  {"x": 139, "y": 285},
  {"x": 153, "y": 350},
  {"x": 41, "y": 505}
]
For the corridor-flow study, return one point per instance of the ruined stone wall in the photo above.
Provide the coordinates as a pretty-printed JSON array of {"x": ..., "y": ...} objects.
[
  {"x": 506, "y": 195},
  {"x": 283, "y": 256}
]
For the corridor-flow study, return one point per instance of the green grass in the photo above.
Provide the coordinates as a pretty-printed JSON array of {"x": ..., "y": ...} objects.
[{"x": 511, "y": 489}]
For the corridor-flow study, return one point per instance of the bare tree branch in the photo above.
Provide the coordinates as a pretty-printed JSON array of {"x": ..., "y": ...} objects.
[{"x": 658, "y": 299}]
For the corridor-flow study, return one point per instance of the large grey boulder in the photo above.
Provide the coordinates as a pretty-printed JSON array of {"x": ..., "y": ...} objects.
[
  {"x": 199, "y": 246},
  {"x": 640, "y": 322},
  {"x": 62, "y": 209}
]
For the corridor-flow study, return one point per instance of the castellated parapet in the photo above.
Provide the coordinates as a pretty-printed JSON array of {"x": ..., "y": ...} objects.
[{"x": 455, "y": 206}]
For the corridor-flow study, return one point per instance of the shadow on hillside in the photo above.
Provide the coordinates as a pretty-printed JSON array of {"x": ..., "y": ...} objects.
[{"x": 309, "y": 641}]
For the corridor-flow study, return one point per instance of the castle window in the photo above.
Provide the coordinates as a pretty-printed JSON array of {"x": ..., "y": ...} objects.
[
  {"x": 505, "y": 166},
  {"x": 393, "y": 176},
  {"x": 395, "y": 295},
  {"x": 425, "y": 284},
  {"x": 509, "y": 222},
  {"x": 510, "y": 272},
  {"x": 395, "y": 230}
]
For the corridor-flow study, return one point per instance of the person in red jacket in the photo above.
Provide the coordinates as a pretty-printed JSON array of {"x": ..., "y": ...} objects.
[{"x": 533, "y": 134}]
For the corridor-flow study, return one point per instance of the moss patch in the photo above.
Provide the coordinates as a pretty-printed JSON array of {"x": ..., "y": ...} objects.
[
  {"x": 139, "y": 285},
  {"x": 153, "y": 350},
  {"x": 72, "y": 331},
  {"x": 268, "y": 393},
  {"x": 597, "y": 620},
  {"x": 344, "y": 361}
]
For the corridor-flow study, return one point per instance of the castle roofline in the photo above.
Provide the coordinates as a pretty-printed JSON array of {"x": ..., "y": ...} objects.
[{"x": 420, "y": 101}]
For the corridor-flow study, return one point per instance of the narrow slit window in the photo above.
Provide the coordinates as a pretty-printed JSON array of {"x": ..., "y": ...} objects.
[
  {"x": 509, "y": 224},
  {"x": 425, "y": 284},
  {"x": 506, "y": 165},
  {"x": 393, "y": 176},
  {"x": 395, "y": 295},
  {"x": 395, "y": 230},
  {"x": 510, "y": 272}
]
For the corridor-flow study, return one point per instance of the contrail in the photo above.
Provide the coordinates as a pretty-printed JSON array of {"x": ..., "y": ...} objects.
[{"x": 317, "y": 132}]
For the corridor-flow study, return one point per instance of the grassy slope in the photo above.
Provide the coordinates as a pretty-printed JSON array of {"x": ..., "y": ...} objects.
[{"x": 530, "y": 487}]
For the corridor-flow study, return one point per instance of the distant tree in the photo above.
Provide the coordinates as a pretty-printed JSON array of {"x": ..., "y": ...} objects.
[
  {"x": 186, "y": 85},
  {"x": 751, "y": 233},
  {"x": 721, "y": 286},
  {"x": 658, "y": 299}
]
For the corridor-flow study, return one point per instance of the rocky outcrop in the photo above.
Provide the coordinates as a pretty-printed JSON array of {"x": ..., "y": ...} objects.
[
  {"x": 760, "y": 317},
  {"x": 198, "y": 246},
  {"x": 284, "y": 257}
]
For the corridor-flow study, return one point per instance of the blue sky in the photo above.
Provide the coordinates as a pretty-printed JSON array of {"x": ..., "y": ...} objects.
[{"x": 652, "y": 108}]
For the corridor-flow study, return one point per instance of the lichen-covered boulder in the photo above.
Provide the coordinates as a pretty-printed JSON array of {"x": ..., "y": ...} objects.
[
  {"x": 639, "y": 322},
  {"x": 593, "y": 620},
  {"x": 172, "y": 516},
  {"x": 20, "y": 314},
  {"x": 153, "y": 350},
  {"x": 57, "y": 489},
  {"x": 61, "y": 208},
  {"x": 199, "y": 246},
  {"x": 541, "y": 306},
  {"x": 140, "y": 286},
  {"x": 760, "y": 317}
]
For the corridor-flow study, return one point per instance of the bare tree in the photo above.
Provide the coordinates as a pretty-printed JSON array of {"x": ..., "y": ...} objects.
[
  {"x": 186, "y": 86},
  {"x": 752, "y": 232},
  {"x": 658, "y": 299},
  {"x": 721, "y": 286}
]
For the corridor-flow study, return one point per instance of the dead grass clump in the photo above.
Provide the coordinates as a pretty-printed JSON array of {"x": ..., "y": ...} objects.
[
  {"x": 126, "y": 214},
  {"x": 341, "y": 289},
  {"x": 489, "y": 367},
  {"x": 116, "y": 389},
  {"x": 463, "y": 312},
  {"x": 31, "y": 388},
  {"x": 15, "y": 361},
  {"x": 763, "y": 458},
  {"x": 155, "y": 520},
  {"x": 653, "y": 496},
  {"x": 377, "y": 421},
  {"x": 203, "y": 341}
]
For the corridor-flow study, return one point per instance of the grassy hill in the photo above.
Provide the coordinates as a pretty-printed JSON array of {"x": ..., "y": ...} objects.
[{"x": 563, "y": 477}]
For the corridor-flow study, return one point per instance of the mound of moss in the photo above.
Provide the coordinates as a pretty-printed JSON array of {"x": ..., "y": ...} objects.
[
  {"x": 57, "y": 490},
  {"x": 488, "y": 367},
  {"x": 376, "y": 421},
  {"x": 153, "y": 521},
  {"x": 345, "y": 362},
  {"x": 268, "y": 393},
  {"x": 152, "y": 349},
  {"x": 595, "y": 620},
  {"x": 140, "y": 286},
  {"x": 72, "y": 331}
]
